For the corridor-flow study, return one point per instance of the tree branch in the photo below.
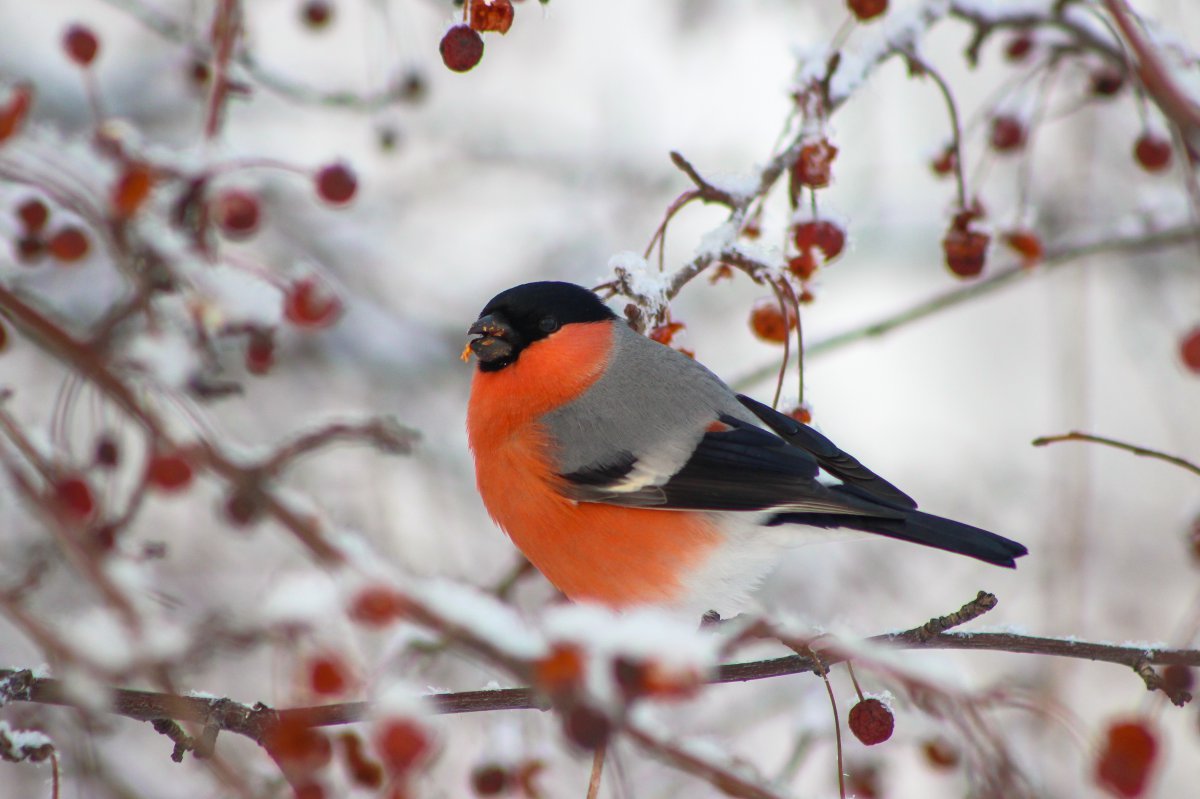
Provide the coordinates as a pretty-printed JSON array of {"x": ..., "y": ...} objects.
[{"x": 1075, "y": 435}]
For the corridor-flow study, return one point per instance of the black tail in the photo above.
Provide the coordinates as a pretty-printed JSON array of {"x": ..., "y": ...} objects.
[{"x": 920, "y": 528}]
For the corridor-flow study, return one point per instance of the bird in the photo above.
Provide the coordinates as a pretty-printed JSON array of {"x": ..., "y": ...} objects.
[{"x": 630, "y": 475}]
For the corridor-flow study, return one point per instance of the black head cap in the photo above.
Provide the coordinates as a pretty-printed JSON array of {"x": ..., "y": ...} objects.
[{"x": 514, "y": 319}]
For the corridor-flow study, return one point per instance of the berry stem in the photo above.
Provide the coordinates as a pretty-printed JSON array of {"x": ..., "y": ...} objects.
[
  {"x": 854, "y": 679},
  {"x": 955, "y": 127}
]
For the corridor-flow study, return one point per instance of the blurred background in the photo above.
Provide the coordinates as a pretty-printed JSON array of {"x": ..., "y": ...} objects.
[{"x": 543, "y": 162}]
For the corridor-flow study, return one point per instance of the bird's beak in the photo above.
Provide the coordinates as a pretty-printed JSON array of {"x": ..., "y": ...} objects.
[{"x": 496, "y": 341}]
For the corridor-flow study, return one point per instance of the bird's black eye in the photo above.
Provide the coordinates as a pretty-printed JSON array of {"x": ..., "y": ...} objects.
[{"x": 548, "y": 324}]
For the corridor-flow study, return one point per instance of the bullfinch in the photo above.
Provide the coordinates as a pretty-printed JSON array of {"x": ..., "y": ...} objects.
[{"x": 629, "y": 474}]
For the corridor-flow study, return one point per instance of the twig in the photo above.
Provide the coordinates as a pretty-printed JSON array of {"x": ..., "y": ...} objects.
[
  {"x": 593, "y": 791},
  {"x": 724, "y": 779},
  {"x": 1075, "y": 435}
]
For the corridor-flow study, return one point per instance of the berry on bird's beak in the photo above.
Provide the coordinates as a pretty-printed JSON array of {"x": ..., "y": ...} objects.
[{"x": 497, "y": 340}]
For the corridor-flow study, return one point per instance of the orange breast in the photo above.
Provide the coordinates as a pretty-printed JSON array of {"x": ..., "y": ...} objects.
[{"x": 603, "y": 553}]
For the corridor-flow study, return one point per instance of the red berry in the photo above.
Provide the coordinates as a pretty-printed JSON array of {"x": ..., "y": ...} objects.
[
  {"x": 168, "y": 471},
  {"x": 871, "y": 721},
  {"x": 108, "y": 454},
  {"x": 1008, "y": 134},
  {"x": 236, "y": 213},
  {"x": 966, "y": 251},
  {"x": 33, "y": 215},
  {"x": 801, "y": 413},
  {"x": 336, "y": 184},
  {"x": 260, "y": 352},
  {"x": 803, "y": 265},
  {"x": 867, "y": 9},
  {"x": 199, "y": 73},
  {"x": 491, "y": 15},
  {"x": 81, "y": 45},
  {"x": 12, "y": 113},
  {"x": 945, "y": 163},
  {"x": 665, "y": 332},
  {"x": 363, "y": 771},
  {"x": 1019, "y": 46},
  {"x": 68, "y": 244},
  {"x": 461, "y": 48},
  {"x": 1107, "y": 81},
  {"x": 814, "y": 166},
  {"x": 309, "y": 303},
  {"x": 377, "y": 606},
  {"x": 1189, "y": 350},
  {"x": 489, "y": 779},
  {"x": 316, "y": 14},
  {"x": 401, "y": 744},
  {"x": 1153, "y": 152},
  {"x": 131, "y": 189},
  {"x": 768, "y": 321},
  {"x": 1178, "y": 677},
  {"x": 940, "y": 753},
  {"x": 1125, "y": 762},
  {"x": 586, "y": 727},
  {"x": 327, "y": 675},
  {"x": 1027, "y": 244},
  {"x": 74, "y": 497},
  {"x": 299, "y": 748},
  {"x": 826, "y": 236}
]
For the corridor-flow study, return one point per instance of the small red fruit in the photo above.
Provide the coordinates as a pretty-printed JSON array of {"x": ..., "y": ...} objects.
[
  {"x": 940, "y": 753},
  {"x": 316, "y": 14},
  {"x": 260, "y": 352},
  {"x": 33, "y": 215},
  {"x": 401, "y": 744},
  {"x": 68, "y": 245},
  {"x": 1027, "y": 244},
  {"x": 131, "y": 190},
  {"x": 946, "y": 161},
  {"x": 665, "y": 332},
  {"x": 1019, "y": 47},
  {"x": 1107, "y": 81},
  {"x": 489, "y": 779},
  {"x": 814, "y": 166},
  {"x": 1008, "y": 133},
  {"x": 491, "y": 15},
  {"x": 74, "y": 497},
  {"x": 965, "y": 250},
  {"x": 1189, "y": 350},
  {"x": 586, "y": 727},
  {"x": 363, "y": 771},
  {"x": 1153, "y": 152},
  {"x": 1125, "y": 762},
  {"x": 168, "y": 471},
  {"x": 108, "y": 454},
  {"x": 801, "y": 413},
  {"x": 768, "y": 321},
  {"x": 81, "y": 45},
  {"x": 377, "y": 606},
  {"x": 461, "y": 48},
  {"x": 336, "y": 184},
  {"x": 822, "y": 234},
  {"x": 327, "y": 675},
  {"x": 12, "y": 113},
  {"x": 867, "y": 9},
  {"x": 309, "y": 303},
  {"x": 803, "y": 265},
  {"x": 236, "y": 213},
  {"x": 871, "y": 721},
  {"x": 1178, "y": 677},
  {"x": 299, "y": 749}
]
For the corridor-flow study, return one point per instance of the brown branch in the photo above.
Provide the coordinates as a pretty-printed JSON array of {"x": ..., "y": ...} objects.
[
  {"x": 384, "y": 433},
  {"x": 720, "y": 777},
  {"x": 1075, "y": 435}
]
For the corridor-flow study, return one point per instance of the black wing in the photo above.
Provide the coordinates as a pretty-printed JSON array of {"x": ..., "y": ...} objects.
[
  {"x": 827, "y": 454},
  {"x": 741, "y": 468}
]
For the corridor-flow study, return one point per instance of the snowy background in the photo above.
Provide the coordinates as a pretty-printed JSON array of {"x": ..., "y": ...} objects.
[{"x": 542, "y": 163}]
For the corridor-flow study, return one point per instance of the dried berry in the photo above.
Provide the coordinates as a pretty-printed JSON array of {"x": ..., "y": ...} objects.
[
  {"x": 316, "y": 14},
  {"x": 1019, "y": 46},
  {"x": 871, "y": 721},
  {"x": 364, "y": 771},
  {"x": 298, "y": 748},
  {"x": 377, "y": 606},
  {"x": 822, "y": 234},
  {"x": 491, "y": 15},
  {"x": 461, "y": 48},
  {"x": 1153, "y": 152},
  {"x": 81, "y": 45},
  {"x": 74, "y": 497},
  {"x": 260, "y": 352},
  {"x": 1008, "y": 133},
  {"x": 336, "y": 184},
  {"x": 965, "y": 250},
  {"x": 1107, "y": 81},
  {"x": 945, "y": 162},
  {"x": 940, "y": 753},
  {"x": 586, "y": 727},
  {"x": 108, "y": 454},
  {"x": 489, "y": 779},
  {"x": 814, "y": 166},
  {"x": 1027, "y": 244},
  {"x": 13, "y": 113}
]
